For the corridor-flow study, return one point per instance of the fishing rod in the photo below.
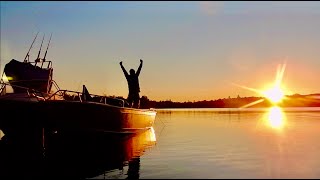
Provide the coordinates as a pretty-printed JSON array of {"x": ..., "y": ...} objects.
[
  {"x": 44, "y": 58},
  {"x": 27, "y": 56},
  {"x": 38, "y": 59}
]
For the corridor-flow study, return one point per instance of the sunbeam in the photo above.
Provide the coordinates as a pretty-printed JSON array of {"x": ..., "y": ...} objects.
[
  {"x": 275, "y": 94},
  {"x": 253, "y": 103}
]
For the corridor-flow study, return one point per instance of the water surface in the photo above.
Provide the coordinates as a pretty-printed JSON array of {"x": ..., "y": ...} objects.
[
  {"x": 183, "y": 143},
  {"x": 230, "y": 143}
]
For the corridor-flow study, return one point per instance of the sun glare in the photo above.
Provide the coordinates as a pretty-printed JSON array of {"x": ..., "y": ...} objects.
[
  {"x": 6, "y": 78},
  {"x": 276, "y": 118},
  {"x": 275, "y": 94}
]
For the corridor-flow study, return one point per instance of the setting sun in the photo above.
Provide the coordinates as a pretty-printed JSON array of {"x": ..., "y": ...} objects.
[{"x": 275, "y": 94}]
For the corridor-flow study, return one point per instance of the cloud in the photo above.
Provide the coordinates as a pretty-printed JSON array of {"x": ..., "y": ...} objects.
[{"x": 211, "y": 7}]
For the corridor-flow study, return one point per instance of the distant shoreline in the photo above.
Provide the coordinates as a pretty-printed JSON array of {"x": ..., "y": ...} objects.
[{"x": 311, "y": 100}]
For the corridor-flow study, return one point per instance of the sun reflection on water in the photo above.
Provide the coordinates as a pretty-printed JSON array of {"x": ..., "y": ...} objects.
[
  {"x": 276, "y": 118},
  {"x": 152, "y": 135}
]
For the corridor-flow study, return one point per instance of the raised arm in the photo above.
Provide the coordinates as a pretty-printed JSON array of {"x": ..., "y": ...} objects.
[
  {"x": 139, "y": 68},
  {"x": 124, "y": 70}
]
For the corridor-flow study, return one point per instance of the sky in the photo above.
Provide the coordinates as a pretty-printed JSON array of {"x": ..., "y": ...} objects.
[{"x": 192, "y": 50}]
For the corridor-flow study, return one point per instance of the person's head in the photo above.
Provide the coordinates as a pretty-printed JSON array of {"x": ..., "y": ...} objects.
[{"x": 132, "y": 72}]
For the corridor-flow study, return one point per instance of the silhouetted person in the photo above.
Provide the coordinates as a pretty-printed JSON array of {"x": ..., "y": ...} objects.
[{"x": 133, "y": 85}]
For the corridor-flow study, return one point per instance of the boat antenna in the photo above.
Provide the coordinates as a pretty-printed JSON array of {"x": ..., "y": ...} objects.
[
  {"x": 44, "y": 58},
  {"x": 38, "y": 59},
  {"x": 27, "y": 56}
]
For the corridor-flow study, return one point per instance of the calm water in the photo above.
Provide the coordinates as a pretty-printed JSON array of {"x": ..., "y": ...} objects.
[
  {"x": 186, "y": 143},
  {"x": 228, "y": 143}
]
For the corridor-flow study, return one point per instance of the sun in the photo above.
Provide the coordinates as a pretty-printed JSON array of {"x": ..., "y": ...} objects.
[{"x": 275, "y": 94}]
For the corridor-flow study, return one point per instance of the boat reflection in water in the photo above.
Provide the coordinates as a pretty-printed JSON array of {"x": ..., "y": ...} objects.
[{"x": 76, "y": 154}]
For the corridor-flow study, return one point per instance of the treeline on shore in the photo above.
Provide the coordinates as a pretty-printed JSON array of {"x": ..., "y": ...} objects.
[
  {"x": 312, "y": 100},
  {"x": 288, "y": 101}
]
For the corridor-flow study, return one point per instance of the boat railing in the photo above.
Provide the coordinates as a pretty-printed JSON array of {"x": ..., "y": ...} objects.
[
  {"x": 55, "y": 84},
  {"x": 12, "y": 83},
  {"x": 4, "y": 84},
  {"x": 79, "y": 96},
  {"x": 60, "y": 94},
  {"x": 31, "y": 93},
  {"x": 41, "y": 63},
  {"x": 31, "y": 80}
]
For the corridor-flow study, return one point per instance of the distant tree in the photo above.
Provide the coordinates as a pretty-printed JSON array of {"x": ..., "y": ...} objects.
[{"x": 144, "y": 102}]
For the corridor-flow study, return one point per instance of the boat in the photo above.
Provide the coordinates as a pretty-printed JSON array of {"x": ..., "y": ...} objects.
[{"x": 33, "y": 104}]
